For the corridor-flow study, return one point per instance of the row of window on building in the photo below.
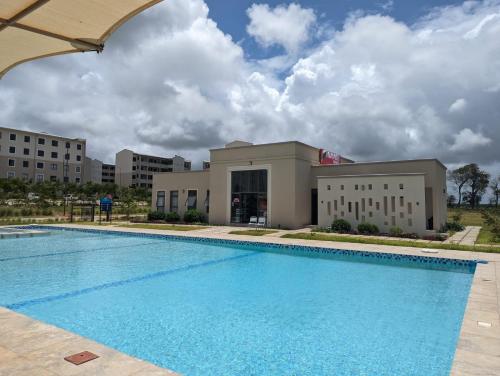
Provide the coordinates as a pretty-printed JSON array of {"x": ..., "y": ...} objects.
[
  {"x": 191, "y": 201},
  {"x": 41, "y": 153},
  {"x": 41, "y": 141},
  {"x": 40, "y": 177},
  {"x": 363, "y": 186},
  {"x": 370, "y": 204},
  {"x": 41, "y": 165}
]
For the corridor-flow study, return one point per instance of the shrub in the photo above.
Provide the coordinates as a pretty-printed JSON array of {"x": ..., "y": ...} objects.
[
  {"x": 193, "y": 215},
  {"x": 341, "y": 225},
  {"x": 156, "y": 216},
  {"x": 452, "y": 226},
  {"x": 367, "y": 228},
  {"x": 457, "y": 216},
  {"x": 172, "y": 217},
  {"x": 396, "y": 231}
]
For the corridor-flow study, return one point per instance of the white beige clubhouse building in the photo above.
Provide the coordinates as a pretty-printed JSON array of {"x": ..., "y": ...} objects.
[{"x": 291, "y": 185}]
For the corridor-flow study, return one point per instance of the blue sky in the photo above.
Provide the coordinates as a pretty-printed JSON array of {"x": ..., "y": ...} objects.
[{"x": 231, "y": 16}]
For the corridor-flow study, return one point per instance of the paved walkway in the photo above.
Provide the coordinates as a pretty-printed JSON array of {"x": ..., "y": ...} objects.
[{"x": 465, "y": 237}]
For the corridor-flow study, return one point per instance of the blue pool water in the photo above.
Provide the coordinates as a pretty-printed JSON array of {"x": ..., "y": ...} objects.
[{"x": 227, "y": 309}]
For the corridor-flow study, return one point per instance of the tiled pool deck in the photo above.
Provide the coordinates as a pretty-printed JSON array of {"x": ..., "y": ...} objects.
[{"x": 28, "y": 347}]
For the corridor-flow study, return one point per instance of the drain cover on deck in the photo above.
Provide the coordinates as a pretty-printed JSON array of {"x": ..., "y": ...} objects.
[{"x": 80, "y": 358}]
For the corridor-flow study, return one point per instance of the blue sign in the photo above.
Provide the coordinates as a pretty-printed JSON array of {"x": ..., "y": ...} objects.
[{"x": 106, "y": 204}]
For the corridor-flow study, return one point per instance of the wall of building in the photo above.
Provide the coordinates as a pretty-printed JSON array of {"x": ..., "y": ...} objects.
[
  {"x": 123, "y": 168},
  {"x": 434, "y": 179},
  {"x": 384, "y": 200},
  {"x": 32, "y": 165},
  {"x": 182, "y": 182},
  {"x": 288, "y": 166},
  {"x": 92, "y": 171}
]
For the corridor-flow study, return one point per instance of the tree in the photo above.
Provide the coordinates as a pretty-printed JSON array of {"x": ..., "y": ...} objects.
[
  {"x": 495, "y": 189},
  {"x": 477, "y": 181},
  {"x": 459, "y": 177},
  {"x": 127, "y": 199}
]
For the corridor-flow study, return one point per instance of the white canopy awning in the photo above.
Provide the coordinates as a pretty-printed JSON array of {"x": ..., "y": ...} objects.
[{"x": 31, "y": 29}]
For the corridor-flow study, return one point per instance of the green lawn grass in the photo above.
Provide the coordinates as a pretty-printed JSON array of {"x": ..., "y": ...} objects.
[
  {"x": 256, "y": 232},
  {"x": 473, "y": 218},
  {"x": 164, "y": 227},
  {"x": 399, "y": 243}
]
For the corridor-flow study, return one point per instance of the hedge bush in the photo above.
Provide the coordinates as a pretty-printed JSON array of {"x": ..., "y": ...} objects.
[
  {"x": 193, "y": 215},
  {"x": 367, "y": 228},
  {"x": 341, "y": 225},
  {"x": 172, "y": 217},
  {"x": 396, "y": 231},
  {"x": 452, "y": 226},
  {"x": 156, "y": 216}
]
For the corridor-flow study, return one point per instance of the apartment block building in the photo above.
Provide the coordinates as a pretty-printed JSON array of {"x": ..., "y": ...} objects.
[
  {"x": 137, "y": 170},
  {"x": 108, "y": 173},
  {"x": 41, "y": 157},
  {"x": 92, "y": 170}
]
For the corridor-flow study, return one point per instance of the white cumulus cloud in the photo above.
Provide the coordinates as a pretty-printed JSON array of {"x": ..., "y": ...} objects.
[
  {"x": 458, "y": 106},
  {"x": 288, "y": 26},
  {"x": 466, "y": 139}
]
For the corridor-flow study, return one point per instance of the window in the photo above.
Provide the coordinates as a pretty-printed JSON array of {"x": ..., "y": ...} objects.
[
  {"x": 386, "y": 186},
  {"x": 39, "y": 165},
  {"x": 370, "y": 202},
  {"x": 174, "y": 201},
  {"x": 401, "y": 186},
  {"x": 385, "y": 205},
  {"x": 363, "y": 187},
  {"x": 66, "y": 156},
  {"x": 410, "y": 209},
  {"x": 26, "y": 164},
  {"x": 12, "y": 149},
  {"x": 248, "y": 195},
  {"x": 393, "y": 203},
  {"x": 55, "y": 143},
  {"x": 12, "y": 137},
  {"x": 11, "y": 174},
  {"x": 41, "y": 141},
  {"x": 401, "y": 201},
  {"x": 349, "y": 206},
  {"x": 341, "y": 213},
  {"x": 78, "y": 169},
  {"x": 393, "y": 220},
  {"x": 160, "y": 201},
  {"x": 207, "y": 202},
  {"x": 192, "y": 198},
  {"x": 41, "y": 153},
  {"x": 66, "y": 179},
  {"x": 369, "y": 187},
  {"x": 342, "y": 187},
  {"x": 53, "y": 178},
  {"x": 68, "y": 145},
  {"x": 363, "y": 218},
  {"x": 335, "y": 205},
  {"x": 26, "y": 151},
  {"x": 341, "y": 200},
  {"x": 356, "y": 205},
  {"x": 377, "y": 205},
  {"x": 329, "y": 208},
  {"x": 370, "y": 214},
  {"x": 12, "y": 163},
  {"x": 78, "y": 158},
  {"x": 410, "y": 222},
  {"x": 54, "y": 154},
  {"x": 39, "y": 178},
  {"x": 27, "y": 138},
  {"x": 328, "y": 187},
  {"x": 401, "y": 215},
  {"x": 53, "y": 167},
  {"x": 77, "y": 180},
  {"x": 356, "y": 187},
  {"x": 362, "y": 204},
  {"x": 79, "y": 147}
]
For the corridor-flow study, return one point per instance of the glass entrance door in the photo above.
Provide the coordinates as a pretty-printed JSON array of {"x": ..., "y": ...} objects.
[{"x": 248, "y": 195}]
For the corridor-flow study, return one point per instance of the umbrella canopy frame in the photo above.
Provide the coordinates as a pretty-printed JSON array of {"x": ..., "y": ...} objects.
[{"x": 75, "y": 44}]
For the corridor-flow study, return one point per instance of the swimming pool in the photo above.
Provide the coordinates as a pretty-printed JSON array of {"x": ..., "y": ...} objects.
[{"x": 229, "y": 308}]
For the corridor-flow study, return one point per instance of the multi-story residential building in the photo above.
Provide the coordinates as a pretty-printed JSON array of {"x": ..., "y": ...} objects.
[
  {"x": 41, "y": 157},
  {"x": 291, "y": 185},
  {"x": 92, "y": 170},
  {"x": 137, "y": 170},
  {"x": 108, "y": 173}
]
